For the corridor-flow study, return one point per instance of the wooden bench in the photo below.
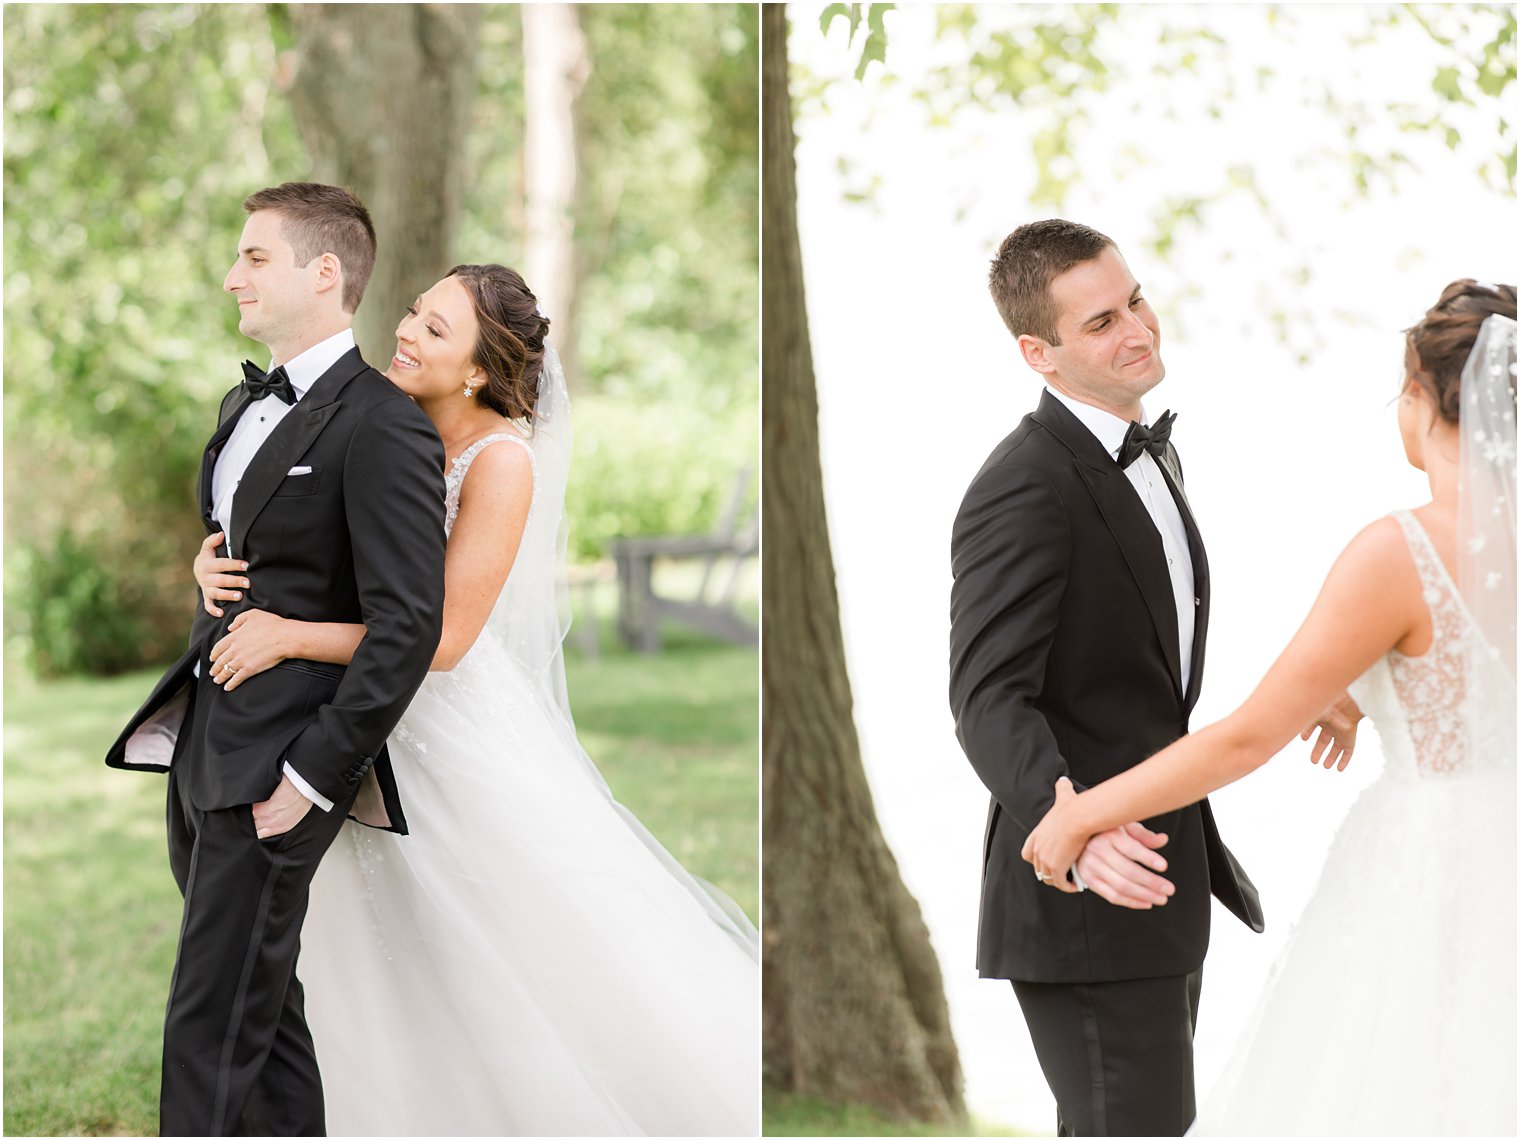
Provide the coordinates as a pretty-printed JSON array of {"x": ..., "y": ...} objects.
[{"x": 723, "y": 552}]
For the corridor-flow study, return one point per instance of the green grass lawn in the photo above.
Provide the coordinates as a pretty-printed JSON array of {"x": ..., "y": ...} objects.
[
  {"x": 91, "y": 911},
  {"x": 788, "y": 1115}
]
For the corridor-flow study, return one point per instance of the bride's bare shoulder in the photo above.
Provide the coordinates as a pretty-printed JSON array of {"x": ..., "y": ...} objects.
[
  {"x": 503, "y": 467},
  {"x": 1376, "y": 566},
  {"x": 1375, "y": 579}
]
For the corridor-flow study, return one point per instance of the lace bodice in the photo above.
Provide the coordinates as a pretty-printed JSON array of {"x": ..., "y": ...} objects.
[
  {"x": 1419, "y": 704},
  {"x": 454, "y": 480}
]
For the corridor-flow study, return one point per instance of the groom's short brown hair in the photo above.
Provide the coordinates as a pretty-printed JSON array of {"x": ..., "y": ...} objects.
[
  {"x": 318, "y": 219},
  {"x": 1027, "y": 262}
]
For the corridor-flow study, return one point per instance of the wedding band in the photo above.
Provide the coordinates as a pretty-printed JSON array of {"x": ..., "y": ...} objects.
[{"x": 1043, "y": 877}]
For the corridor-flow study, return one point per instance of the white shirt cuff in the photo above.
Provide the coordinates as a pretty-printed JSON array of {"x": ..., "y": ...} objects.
[{"x": 307, "y": 790}]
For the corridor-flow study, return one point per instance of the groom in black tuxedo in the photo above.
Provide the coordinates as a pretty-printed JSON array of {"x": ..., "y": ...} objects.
[
  {"x": 1078, "y": 616},
  {"x": 328, "y": 483}
]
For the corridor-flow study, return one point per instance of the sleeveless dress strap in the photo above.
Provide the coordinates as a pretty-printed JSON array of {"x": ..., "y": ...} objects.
[
  {"x": 462, "y": 463},
  {"x": 454, "y": 480},
  {"x": 1436, "y": 583}
]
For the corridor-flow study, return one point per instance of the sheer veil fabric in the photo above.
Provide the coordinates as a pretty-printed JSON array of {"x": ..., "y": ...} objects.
[
  {"x": 1391, "y": 1009},
  {"x": 1486, "y": 534},
  {"x": 532, "y": 618},
  {"x": 529, "y": 960}
]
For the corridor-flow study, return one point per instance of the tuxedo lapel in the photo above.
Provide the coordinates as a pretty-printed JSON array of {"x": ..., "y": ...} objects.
[
  {"x": 1126, "y": 518},
  {"x": 233, "y": 405},
  {"x": 1171, "y": 471},
  {"x": 1143, "y": 553},
  {"x": 287, "y": 443}
]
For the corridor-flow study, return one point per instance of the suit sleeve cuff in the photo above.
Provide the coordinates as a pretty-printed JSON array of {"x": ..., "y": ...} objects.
[{"x": 307, "y": 790}]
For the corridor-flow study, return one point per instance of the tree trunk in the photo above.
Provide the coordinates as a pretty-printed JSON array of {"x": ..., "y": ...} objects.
[
  {"x": 555, "y": 67},
  {"x": 854, "y": 1003},
  {"x": 381, "y": 94}
]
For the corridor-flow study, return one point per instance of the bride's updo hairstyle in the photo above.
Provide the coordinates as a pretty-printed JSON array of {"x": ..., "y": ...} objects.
[
  {"x": 1436, "y": 349},
  {"x": 510, "y": 346}
]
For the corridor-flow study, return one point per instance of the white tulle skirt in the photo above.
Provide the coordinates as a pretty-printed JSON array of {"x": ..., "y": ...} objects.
[
  {"x": 525, "y": 961},
  {"x": 1391, "y": 1010}
]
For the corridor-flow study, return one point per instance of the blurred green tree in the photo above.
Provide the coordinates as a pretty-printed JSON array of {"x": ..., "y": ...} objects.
[{"x": 132, "y": 134}]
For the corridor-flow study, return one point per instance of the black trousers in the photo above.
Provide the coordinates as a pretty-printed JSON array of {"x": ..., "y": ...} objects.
[
  {"x": 1117, "y": 1055},
  {"x": 238, "y": 1057}
]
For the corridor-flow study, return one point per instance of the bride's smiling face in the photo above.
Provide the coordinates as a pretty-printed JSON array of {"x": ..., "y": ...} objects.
[{"x": 434, "y": 344}]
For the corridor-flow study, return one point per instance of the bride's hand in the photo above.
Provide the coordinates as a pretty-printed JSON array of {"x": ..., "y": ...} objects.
[
  {"x": 1337, "y": 733},
  {"x": 1053, "y": 846},
  {"x": 255, "y": 641},
  {"x": 218, "y": 578}
]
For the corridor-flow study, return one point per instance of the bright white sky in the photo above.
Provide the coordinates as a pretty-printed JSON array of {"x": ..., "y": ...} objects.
[{"x": 918, "y": 381}]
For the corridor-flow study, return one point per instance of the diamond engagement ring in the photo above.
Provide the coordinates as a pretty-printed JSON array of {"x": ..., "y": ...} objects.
[{"x": 1043, "y": 877}]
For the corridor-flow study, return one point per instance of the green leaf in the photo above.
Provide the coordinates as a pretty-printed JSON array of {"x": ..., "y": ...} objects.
[
  {"x": 1492, "y": 82},
  {"x": 855, "y": 13},
  {"x": 830, "y": 13},
  {"x": 874, "y": 49},
  {"x": 1447, "y": 85}
]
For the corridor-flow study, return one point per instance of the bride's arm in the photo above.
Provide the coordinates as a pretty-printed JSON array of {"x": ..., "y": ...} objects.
[
  {"x": 493, "y": 510},
  {"x": 258, "y": 640},
  {"x": 1369, "y": 603}
]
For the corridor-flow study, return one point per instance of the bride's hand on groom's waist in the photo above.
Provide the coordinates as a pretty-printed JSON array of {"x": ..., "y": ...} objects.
[
  {"x": 220, "y": 579},
  {"x": 256, "y": 640}
]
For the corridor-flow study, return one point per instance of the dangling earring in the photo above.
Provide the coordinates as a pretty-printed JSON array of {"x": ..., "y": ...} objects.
[{"x": 468, "y": 388}]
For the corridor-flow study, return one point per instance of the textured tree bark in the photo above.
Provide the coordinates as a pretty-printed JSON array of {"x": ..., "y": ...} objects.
[
  {"x": 381, "y": 94},
  {"x": 555, "y": 68},
  {"x": 854, "y": 1002}
]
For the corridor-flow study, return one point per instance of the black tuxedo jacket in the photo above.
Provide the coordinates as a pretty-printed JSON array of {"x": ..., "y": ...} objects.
[
  {"x": 357, "y": 539},
  {"x": 1064, "y": 662}
]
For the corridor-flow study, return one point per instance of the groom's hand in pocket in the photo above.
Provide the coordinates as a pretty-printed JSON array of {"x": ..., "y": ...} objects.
[
  {"x": 281, "y": 811},
  {"x": 1120, "y": 866}
]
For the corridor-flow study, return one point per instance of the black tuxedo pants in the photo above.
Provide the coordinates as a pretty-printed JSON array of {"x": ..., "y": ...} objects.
[
  {"x": 238, "y": 1057},
  {"x": 1117, "y": 1055}
]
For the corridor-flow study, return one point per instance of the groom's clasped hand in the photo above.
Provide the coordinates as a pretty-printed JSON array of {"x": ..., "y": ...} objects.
[{"x": 1055, "y": 848}]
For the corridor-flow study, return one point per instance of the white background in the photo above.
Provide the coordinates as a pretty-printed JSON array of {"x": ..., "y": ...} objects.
[{"x": 918, "y": 380}]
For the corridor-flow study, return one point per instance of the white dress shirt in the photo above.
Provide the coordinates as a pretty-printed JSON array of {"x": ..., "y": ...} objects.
[
  {"x": 251, "y": 431},
  {"x": 1145, "y": 476}
]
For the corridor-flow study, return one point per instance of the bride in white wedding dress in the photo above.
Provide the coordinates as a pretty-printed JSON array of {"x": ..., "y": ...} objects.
[
  {"x": 1391, "y": 1010},
  {"x": 527, "y": 959}
]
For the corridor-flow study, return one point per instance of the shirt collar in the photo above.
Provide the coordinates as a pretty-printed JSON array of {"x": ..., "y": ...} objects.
[
  {"x": 1107, "y": 427},
  {"x": 307, "y": 368}
]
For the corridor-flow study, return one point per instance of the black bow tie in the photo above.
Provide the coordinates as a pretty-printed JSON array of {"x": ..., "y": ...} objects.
[
  {"x": 258, "y": 384},
  {"x": 1140, "y": 438}
]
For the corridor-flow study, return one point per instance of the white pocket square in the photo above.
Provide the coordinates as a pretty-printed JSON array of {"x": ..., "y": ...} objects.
[{"x": 298, "y": 471}]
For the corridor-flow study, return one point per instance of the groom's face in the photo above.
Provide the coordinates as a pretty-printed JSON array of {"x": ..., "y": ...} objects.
[
  {"x": 1110, "y": 350},
  {"x": 274, "y": 295}
]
